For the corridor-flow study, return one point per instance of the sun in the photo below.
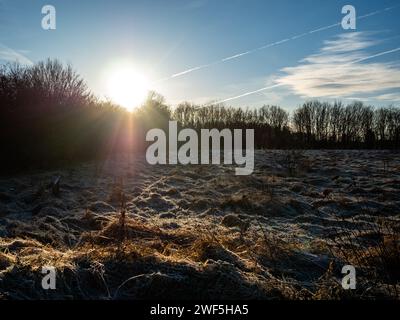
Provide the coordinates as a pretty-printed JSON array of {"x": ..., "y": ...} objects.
[{"x": 127, "y": 87}]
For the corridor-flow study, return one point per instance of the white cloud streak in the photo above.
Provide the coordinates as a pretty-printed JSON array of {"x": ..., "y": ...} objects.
[
  {"x": 337, "y": 71},
  {"x": 10, "y": 55},
  {"x": 378, "y": 55},
  {"x": 248, "y": 93},
  {"x": 394, "y": 97},
  {"x": 273, "y": 44}
]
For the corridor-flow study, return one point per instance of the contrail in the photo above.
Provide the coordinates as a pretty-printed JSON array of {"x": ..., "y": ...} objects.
[
  {"x": 248, "y": 93},
  {"x": 377, "y": 55},
  {"x": 273, "y": 44},
  {"x": 281, "y": 84}
]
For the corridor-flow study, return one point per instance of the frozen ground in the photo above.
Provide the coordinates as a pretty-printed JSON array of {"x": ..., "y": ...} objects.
[{"x": 125, "y": 229}]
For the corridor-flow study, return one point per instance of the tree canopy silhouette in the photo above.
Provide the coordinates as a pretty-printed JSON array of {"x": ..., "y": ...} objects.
[{"x": 48, "y": 117}]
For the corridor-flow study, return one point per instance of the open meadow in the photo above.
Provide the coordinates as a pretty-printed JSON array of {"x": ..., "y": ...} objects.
[{"x": 122, "y": 228}]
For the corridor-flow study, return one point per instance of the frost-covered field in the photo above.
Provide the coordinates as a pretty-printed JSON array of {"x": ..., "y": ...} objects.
[{"x": 125, "y": 229}]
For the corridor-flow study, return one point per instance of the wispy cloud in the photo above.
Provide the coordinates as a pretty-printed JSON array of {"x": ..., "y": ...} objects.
[
  {"x": 337, "y": 71},
  {"x": 395, "y": 97},
  {"x": 10, "y": 55},
  {"x": 340, "y": 70},
  {"x": 269, "y": 45}
]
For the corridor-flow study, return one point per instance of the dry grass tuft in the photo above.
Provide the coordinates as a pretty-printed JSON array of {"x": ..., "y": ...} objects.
[{"x": 375, "y": 252}]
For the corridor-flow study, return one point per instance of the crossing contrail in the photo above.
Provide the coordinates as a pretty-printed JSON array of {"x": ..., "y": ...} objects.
[
  {"x": 281, "y": 84},
  {"x": 269, "y": 45}
]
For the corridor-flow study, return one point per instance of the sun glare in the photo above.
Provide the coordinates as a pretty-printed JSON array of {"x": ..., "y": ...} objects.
[{"x": 127, "y": 87}]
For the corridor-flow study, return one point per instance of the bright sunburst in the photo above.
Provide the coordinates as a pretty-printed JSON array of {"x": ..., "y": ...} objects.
[{"x": 127, "y": 87}]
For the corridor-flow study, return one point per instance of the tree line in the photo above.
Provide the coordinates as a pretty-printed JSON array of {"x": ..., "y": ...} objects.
[
  {"x": 48, "y": 117},
  {"x": 314, "y": 124}
]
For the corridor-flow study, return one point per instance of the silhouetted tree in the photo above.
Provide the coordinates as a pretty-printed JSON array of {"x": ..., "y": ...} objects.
[{"x": 48, "y": 117}]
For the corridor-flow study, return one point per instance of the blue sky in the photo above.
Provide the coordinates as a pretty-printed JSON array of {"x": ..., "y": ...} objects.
[{"x": 167, "y": 37}]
